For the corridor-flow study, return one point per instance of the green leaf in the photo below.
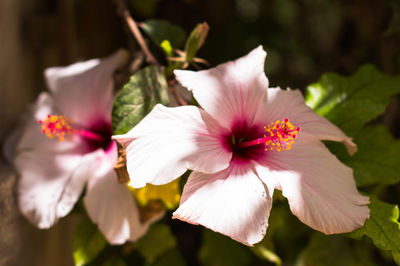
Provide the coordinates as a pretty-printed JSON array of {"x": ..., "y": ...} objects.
[
  {"x": 158, "y": 240},
  {"x": 328, "y": 251},
  {"x": 87, "y": 243},
  {"x": 377, "y": 160},
  {"x": 350, "y": 102},
  {"x": 382, "y": 227},
  {"x": 161, "y": 30},
  {"x": 114, "y": 261},
  {"x": 219, "y": 250},
  {"x": 396, "y": 257},
  {"x": 172, "y": 257},
  {"x": 196, "y": 39},
  {"x": 145, "y": 89}
]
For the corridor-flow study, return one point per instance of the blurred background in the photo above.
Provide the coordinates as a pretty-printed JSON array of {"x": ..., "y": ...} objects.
[{"x": 303, "y": 39}]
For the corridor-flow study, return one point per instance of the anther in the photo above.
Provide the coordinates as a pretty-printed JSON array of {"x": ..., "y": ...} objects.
[{"x": 56, "y": 126}]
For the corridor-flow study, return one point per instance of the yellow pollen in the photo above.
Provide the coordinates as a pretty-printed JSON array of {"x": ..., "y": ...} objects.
[
  {"x": 57, "y": 126},
  {"x": 281, "y": 135}
]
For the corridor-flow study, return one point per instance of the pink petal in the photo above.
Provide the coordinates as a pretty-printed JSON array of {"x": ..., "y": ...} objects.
[
  {"x": 83, "y": 91},
  {"x": 290, "y": 104},
  {"x": 52, "y": 173},
  {"x": 230, "y": 91},
  {"x": 320, "y": 189},
  {"x": 112, "y": 207},
  {"x": 233, "y": 202},
  {"x": 168, "y": 141},
  {"x": 51, "y": 183}
]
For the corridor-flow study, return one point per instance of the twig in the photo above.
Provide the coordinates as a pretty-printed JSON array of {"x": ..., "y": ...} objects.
[
  {"x": 171, "y": 87},
  {"x": 124, "y": 13}
]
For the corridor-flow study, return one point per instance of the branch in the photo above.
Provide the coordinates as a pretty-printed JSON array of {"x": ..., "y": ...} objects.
[{"x": 124, "y": 13}]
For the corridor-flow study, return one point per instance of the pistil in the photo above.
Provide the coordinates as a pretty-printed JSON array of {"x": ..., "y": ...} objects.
[{"x": 278, "y": 135}]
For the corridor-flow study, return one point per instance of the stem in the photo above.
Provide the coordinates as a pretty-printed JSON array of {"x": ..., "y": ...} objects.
[{"x": 124, "y": 13}]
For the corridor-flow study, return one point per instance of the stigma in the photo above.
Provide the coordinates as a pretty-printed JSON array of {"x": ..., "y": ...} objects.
[
  {"x": 279, "y": 136},
  {"x": 57, "y": 126}
]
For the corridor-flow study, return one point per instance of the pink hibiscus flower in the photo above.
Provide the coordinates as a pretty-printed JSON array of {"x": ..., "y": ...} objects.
[
  {"x": 53, "y": 174},
  {"x": 246, "y": 141}
]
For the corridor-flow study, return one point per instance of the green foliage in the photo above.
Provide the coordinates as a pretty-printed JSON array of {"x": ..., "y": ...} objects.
[
  {"x": 396, "y": 257},
  {"x": 382, "y": 227},
  {"x": 172, "y": 257},
  {"x": 219, "y": 250},
  {"x": 350, "y": 102},
  {"x": 196, "y": 39},
  {"x": 161, "y": 30},
  {"x": 327, "y": 251},
  {"x": 285, "y": 233},
  {"x": 145, "y": 89},
  {"x": 158, "y": 240},
  {"x": 87, "y": 243},
  {"x": 114, "y": 261},
  {"x": 377, "y": 160}
]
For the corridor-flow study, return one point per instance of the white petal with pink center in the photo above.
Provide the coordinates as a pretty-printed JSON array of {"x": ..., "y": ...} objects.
[
  {"x": 168, "y": 141},
  {"x": 233, "y": 202},
  {"x": 252, "y": 124},
  {"x": 53, "y": 173}
]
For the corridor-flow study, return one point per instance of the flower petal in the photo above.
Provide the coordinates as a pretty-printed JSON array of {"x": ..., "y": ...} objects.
[
  {"x": 230, "y": 91},
  {"x": 52, "y": 173},
  {"x": 320, "y": 189},
  {"x": 290, "y": 104},
  {"x": 233, "y": 202},
  {"x": 112, "y": 207},
  {"x": 168, "y": 141},
  {"x": 50, "y": 183},
  {"x": 83, "y": 91}
]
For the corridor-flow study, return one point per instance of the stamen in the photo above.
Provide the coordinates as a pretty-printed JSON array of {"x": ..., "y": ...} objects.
[
  {"x": 278, "y": 135},
  {"x": 57, "y": 126},
  {"x": 61, "y": 127}
]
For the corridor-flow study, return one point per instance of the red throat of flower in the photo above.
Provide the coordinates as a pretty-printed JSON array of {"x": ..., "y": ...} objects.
[
  {"x": 61, "y": 127},
  {"x": 278, "y": 135}
]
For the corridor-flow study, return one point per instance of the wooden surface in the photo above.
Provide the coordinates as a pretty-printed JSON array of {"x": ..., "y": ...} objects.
[{"x": 24, "y": 53}]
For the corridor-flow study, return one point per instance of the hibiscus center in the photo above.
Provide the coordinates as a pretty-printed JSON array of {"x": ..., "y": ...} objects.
[
  {"x": 242, "y": 132},
  {"x": 250, "y": 142},
  {"x": 278, "y": 135},
  {"x": 61, "y": 127}
]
